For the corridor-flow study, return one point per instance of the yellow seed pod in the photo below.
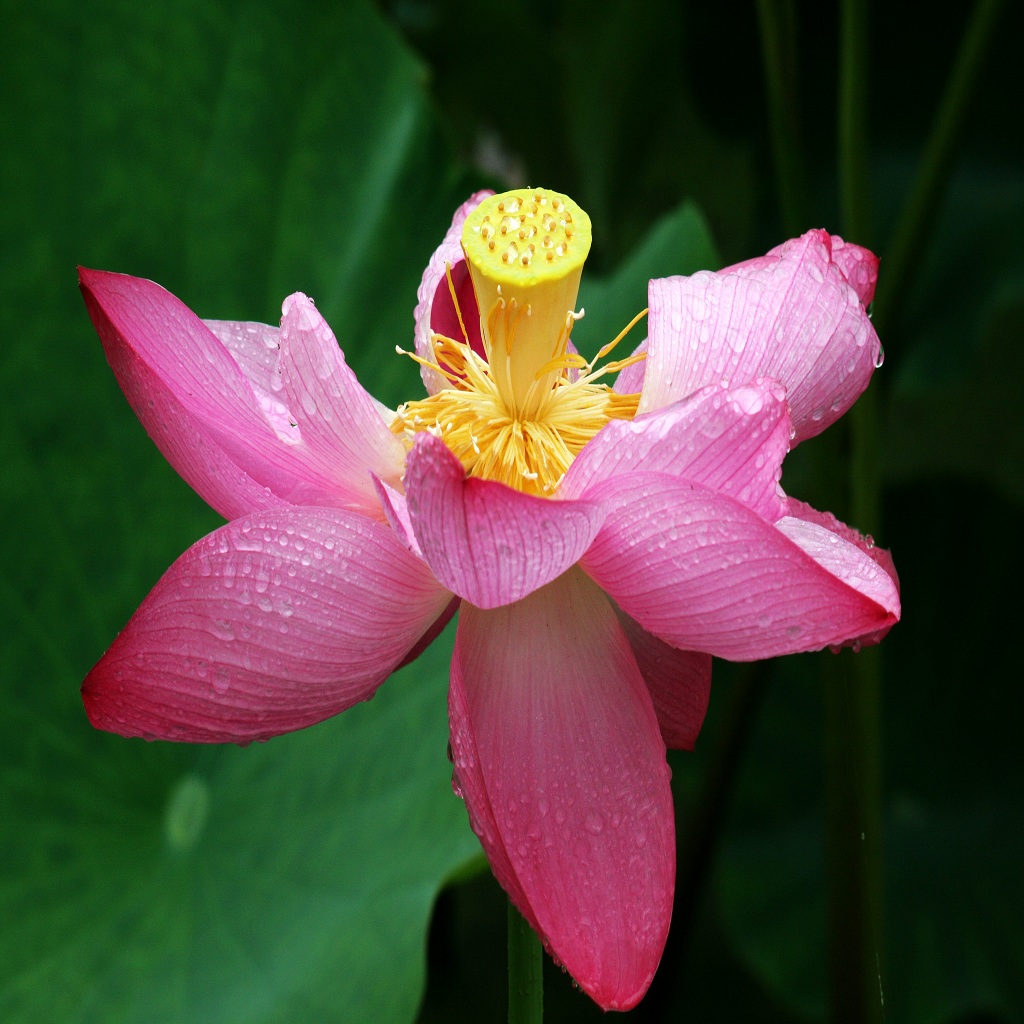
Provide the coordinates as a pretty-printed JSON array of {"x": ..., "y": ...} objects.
[{"x": 525, "y": 250}]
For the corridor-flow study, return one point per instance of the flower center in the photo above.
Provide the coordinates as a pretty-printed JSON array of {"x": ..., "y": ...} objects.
[{"x": 522, "y": 414}]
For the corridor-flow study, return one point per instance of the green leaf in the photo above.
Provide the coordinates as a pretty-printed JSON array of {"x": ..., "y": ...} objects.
[
  {"x": 679, "y": 243},
  {"x": 234, "y": 152},
  {"x": 950, "y": 410},
  {"x": 971, "y": 426},
  {"x": 597, "y": 104},
  {"x": 290, "y": 881}
]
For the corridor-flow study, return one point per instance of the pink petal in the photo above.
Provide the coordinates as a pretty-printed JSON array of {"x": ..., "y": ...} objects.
[
  {"x": 679, "y": 683},
  {"x": 330, "y": 423},
  {"x": 801, "y": 510},
  {"x": 703, "y": 572},
  {"x": 859, "y": 266},
  {"x": 630, "y": 381},
  {"x": 343, "y": 434},
  {"x": 271, "y": 623},
  {"x": 435, "y": 630},
  {"x": 790, "y": 315},
  {"x": 842, "y": 551},
  {"x": 223, "y": 404},
  {"x": 558, "y": 755},
  {"x": 488, "y": 543},
  {"x": 256, "y": 349},
  {"x": 177, "y": 377},
  {"x": 730, "y": 440},
  {"x": 434, "y": 310},
  {"x": 396, "y": 512}
]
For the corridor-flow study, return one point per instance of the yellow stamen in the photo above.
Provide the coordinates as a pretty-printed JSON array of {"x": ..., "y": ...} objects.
[
  {"x": 517, "y": 416},
  {"x": 455, "y": 300},
  {"x": 605, "y": 349}
]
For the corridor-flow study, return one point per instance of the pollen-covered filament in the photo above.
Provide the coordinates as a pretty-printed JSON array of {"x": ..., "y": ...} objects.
[
  {"x": 522, "y": 412},
  {"x": 531, "y": 453}
]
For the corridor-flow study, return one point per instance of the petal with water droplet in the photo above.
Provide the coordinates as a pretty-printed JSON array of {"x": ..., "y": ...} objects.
[
  {"x": 702, "y": 572},
  {"x": 562, "y": 766},
  {"x": 791, "y": 315},
  {"x": 350, "y": 617},
  {"x": 731, "y": 440},
  {"x": 486, "y": 542}
]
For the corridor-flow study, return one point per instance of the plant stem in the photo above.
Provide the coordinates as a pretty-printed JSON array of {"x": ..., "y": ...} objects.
[
  {"x": 777, "y": 22},
  {"x": 525, "y": 971},
  {"x": 853, "y": 774},
  {"x": 854, "y": 187},
  {"x": 918, "y": 216},
  {"x": 853, "y": 837},
  {"x": 853, "y": 770}
]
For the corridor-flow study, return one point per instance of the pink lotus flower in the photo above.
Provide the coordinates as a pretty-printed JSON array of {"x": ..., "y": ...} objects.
[{"x": 604, "y": 543}]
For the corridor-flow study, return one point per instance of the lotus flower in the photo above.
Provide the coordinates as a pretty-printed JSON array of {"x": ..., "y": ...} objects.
[{"x": 601, "y": 543}]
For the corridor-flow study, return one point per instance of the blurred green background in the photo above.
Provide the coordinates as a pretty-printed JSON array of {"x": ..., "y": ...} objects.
[{"x": 238, "y": 151}]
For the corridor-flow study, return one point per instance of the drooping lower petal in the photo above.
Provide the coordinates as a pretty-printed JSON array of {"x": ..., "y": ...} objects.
[
  {"x": 679, "y": 683},
  {"x": 791, "y": 315},
  {"x": 558, "y": 754},
  {"x": 732, "y": 440},
  {"x": 703, "y": 572},
  {"x": 271, "y": 623},
  {"x": 484, "y": 541}
]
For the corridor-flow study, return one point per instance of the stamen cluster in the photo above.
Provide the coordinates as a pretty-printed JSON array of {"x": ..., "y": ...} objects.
[{"x": 520, "y": 413}]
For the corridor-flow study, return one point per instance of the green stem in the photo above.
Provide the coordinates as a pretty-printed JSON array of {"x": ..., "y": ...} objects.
[
  {"x": 853, "y": 770},
  {"x": 853, "y": 838},
  {"x": 902, "y": 255},
  {"x": 777, "y": 22},
  {"x": 853, "y": 773},
  {"x": 525, "y": 971},
  {"x": 853, "y": 164}
]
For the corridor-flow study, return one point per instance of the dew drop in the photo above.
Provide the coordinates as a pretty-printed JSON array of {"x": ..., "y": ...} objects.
[
  {"x": 456, "y": 787},
  {"x": 221, "y": 679},
  {"x": 223, "y": 629}
]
